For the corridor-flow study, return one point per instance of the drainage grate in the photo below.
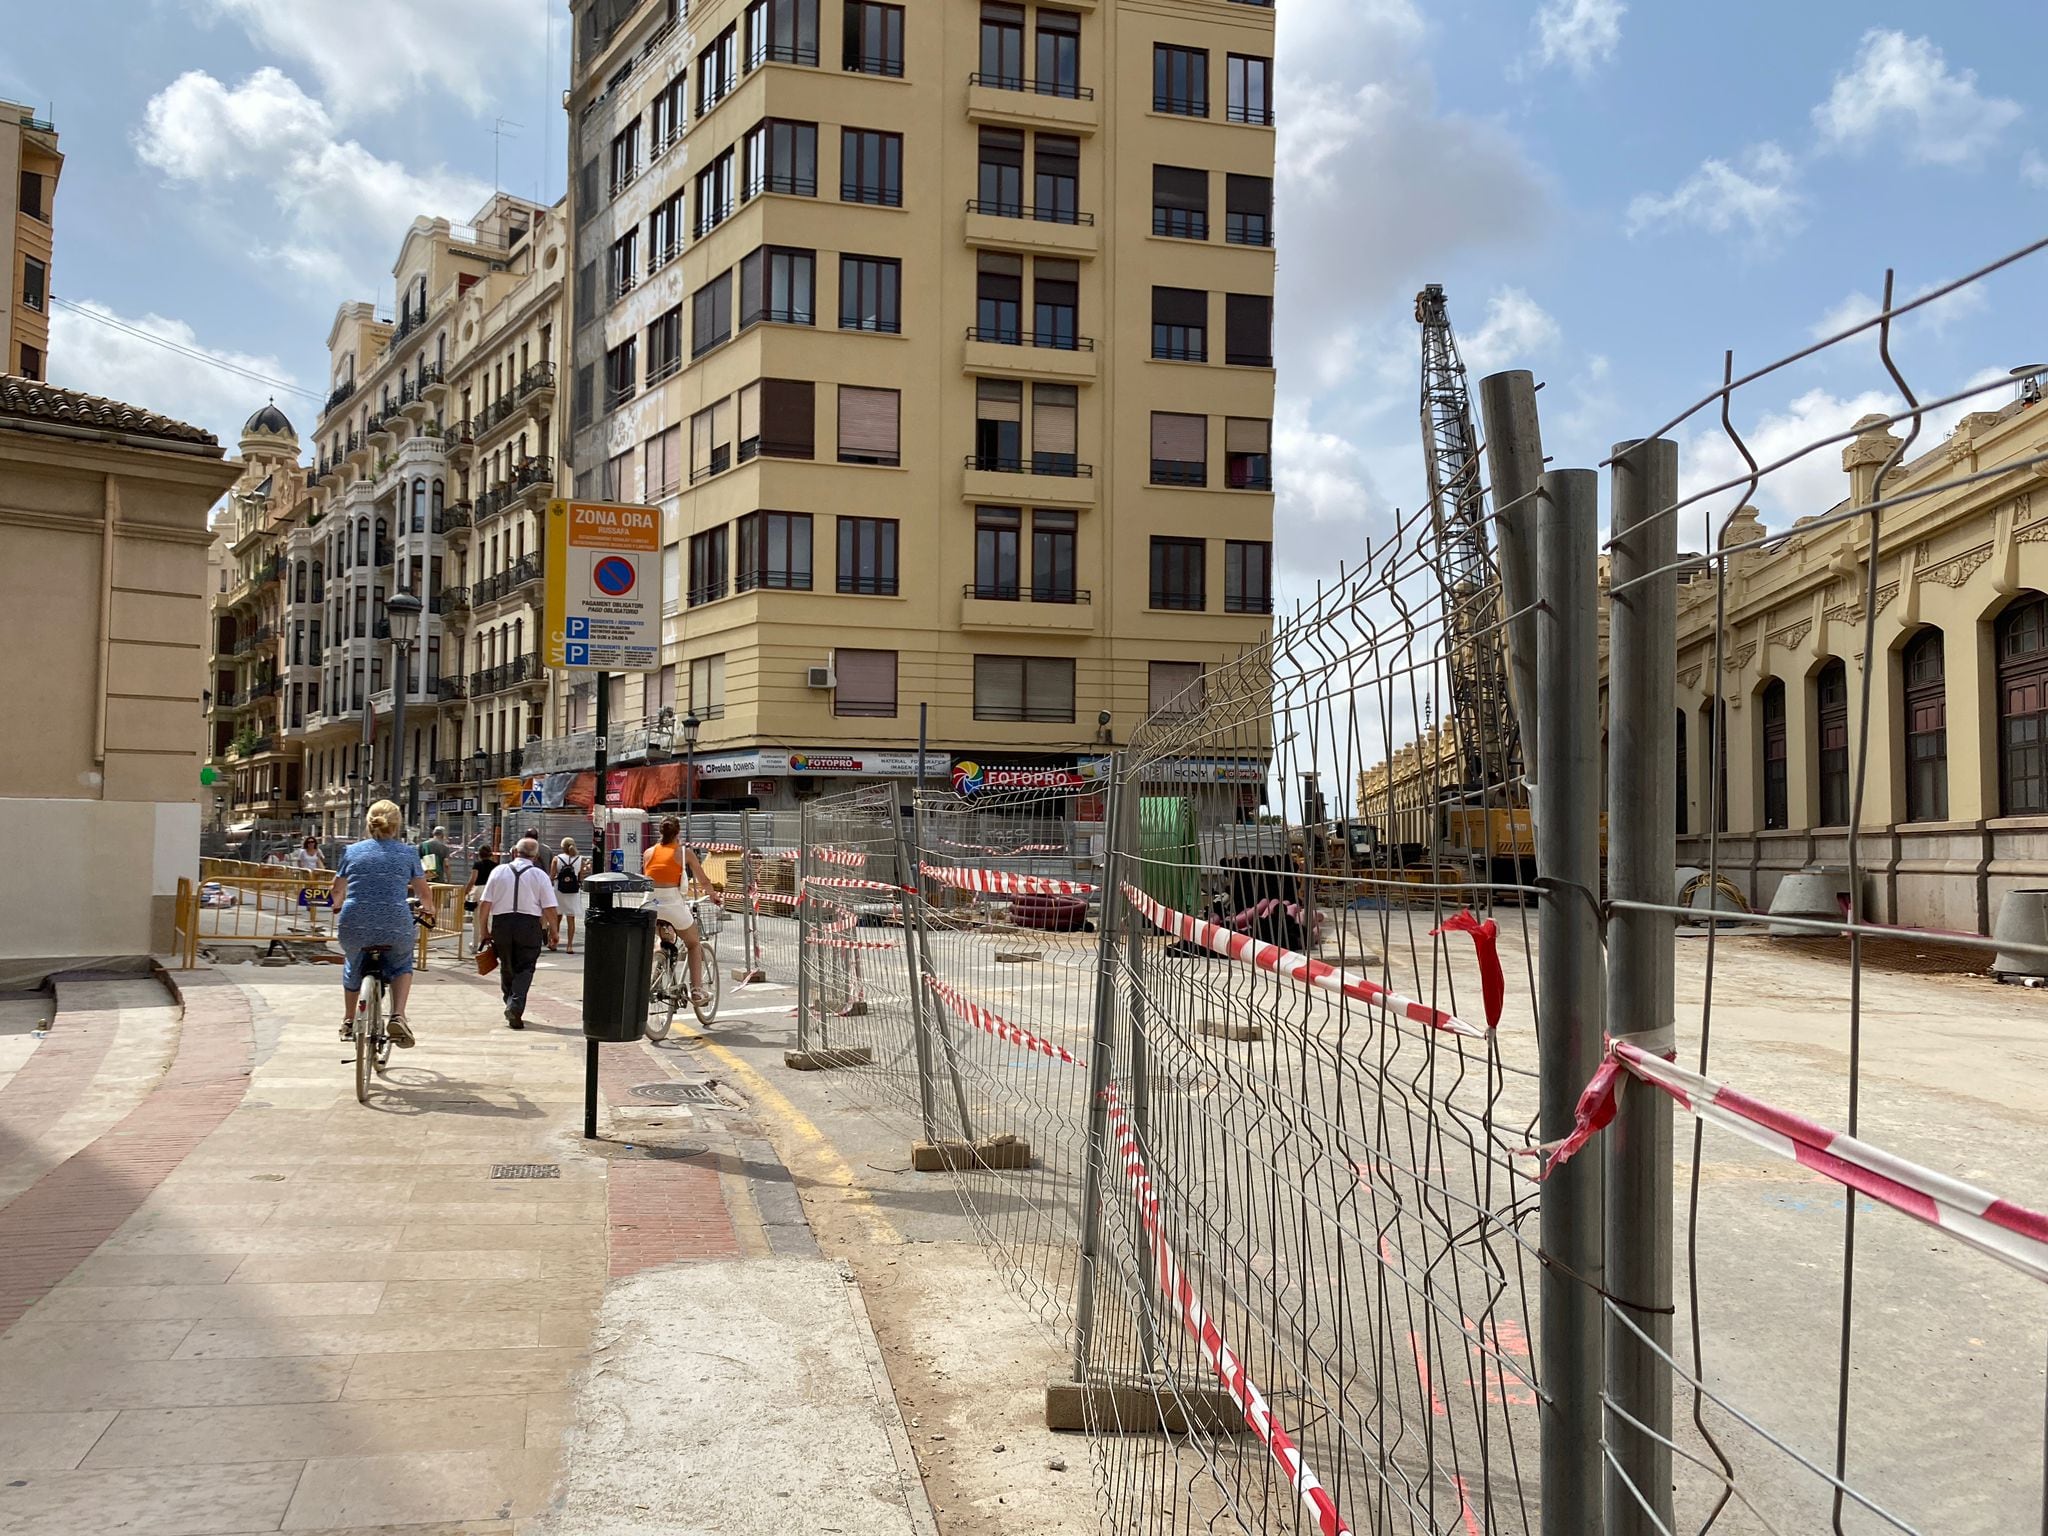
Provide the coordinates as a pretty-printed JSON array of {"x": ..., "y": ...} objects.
[
  {"x": 676, "y": 1093},
  {"x": 526, "y": 1170},
  {"x": 681, "y": 1152}
]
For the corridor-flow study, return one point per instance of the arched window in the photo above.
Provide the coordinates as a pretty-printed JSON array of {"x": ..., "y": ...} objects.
[
  {"x": 363, "y": 542},
  {"x": 1771, "y": 707},
  {"x": 1682, "y": 790},
  {"x": 2023, "y": 706},
  {"x": 419, "y": 506},
  {"x": 299, "y": 582},
  {"x": 1926, "y": 728},
  {"x": 383, "y": 541},
  {"x": 439, "y": 502},
  {"x": 1831, "y": 742},
  {"x": 1713, "y": 737}
]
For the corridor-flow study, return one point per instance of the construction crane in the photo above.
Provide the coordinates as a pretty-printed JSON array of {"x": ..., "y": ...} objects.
[{"x": 1481, "y": 716}]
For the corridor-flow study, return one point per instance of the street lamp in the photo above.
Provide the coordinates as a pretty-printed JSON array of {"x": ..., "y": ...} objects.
[
  {"x": 691, "y": 725},
  {"x": 402, "y": 610},
  {"x": 481, "y": 759}
]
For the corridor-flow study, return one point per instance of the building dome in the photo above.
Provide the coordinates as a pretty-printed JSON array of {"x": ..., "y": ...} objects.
[{"x": 269, "y": 421}]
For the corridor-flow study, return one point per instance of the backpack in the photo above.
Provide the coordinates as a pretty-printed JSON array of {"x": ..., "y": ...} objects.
[{"x": 567, "y": 879}]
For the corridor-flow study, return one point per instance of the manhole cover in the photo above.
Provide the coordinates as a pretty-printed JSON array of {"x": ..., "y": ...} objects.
[
  {"x": 681, "y": 1152},
  {"x": 526, "y": 1170},
  {"x": 676, "y": 1093}
]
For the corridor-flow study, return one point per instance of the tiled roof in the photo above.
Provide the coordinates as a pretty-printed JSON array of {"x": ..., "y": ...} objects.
[{"x": 29, "y": 400}]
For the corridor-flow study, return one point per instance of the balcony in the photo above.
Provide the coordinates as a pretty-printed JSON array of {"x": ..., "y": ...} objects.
[
  {"x": 1038, "y": 355},
  {"x": 264, "y": 688},
  {"x": 532, "y": 475},
  {"x": 1052, "y": 482},
  {"x": 522, "y": 671},
  {"x": 342, "y": 392},
  {"x": 384, "y": 424},
  {"x": 433, "y": 383},
  {"x": 1032, "y": 230},
  {"x": 1066, "y": 610},
  {"x": 526, "y": 571},
  {"x": 457, "y": 518},
  {"x": 1017, "y": 102},
  {"x": 450, "y": 603}
]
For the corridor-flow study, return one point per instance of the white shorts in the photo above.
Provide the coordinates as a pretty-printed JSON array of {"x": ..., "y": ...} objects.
[
  {"x": 674, "y": 908},
  {"x": 572, "y": 903}
]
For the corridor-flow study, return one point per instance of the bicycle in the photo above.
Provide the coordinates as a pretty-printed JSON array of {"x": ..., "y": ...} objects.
[
  {"x": 373, "y": 1045},
  {"x": 671, "y": 985}
]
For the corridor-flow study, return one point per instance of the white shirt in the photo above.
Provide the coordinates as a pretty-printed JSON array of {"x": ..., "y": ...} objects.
[{"x": 510, "y": 886}]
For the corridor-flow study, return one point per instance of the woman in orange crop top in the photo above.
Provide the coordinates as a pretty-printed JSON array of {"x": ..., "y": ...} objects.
[{"x": 671, "y": 864}]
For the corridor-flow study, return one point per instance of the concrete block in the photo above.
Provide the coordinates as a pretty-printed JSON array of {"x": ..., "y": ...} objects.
[
  {"x": 995, "y": 1153},
  {"x": 1134, "y": 1407},
  {"x": 822, "y": 1061},
  {"x": 1231, "y": 1029},
  {"x": 748, "y": 978}
]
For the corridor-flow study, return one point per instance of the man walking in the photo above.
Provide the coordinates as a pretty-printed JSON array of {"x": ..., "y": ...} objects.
[
  {"x": 520, "y": 912},
  {"x": 434, "y": 855}
]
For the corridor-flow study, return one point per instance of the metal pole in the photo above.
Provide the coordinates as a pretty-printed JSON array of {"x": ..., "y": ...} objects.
[
  {"x": 914, "y": 901},
  {"x": 1514, "y": 463},
  {"x": 748, "y": 882},
  {"x": 1568, "y": 994},
  {"x": 1642, "y": 822},
  {"x": 1141, "y": 1072},
  {"x": 599, "y": 802},
  {"x": 920, "y": 1028},
  {"x": 1094, "y": 1169},
  {"x": 400, "y": 681},
  {"x": 803, "y": 929}
]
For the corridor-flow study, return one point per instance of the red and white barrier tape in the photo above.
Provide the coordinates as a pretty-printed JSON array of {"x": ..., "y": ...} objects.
[
  {"x": 831, "y": 943},
  {"x": 1229, "y": 1368},
  {"x": 1004, "y": 853},
  {"x": 852, "y": 883},
  {"x": 1233, "y": 945},
  {"x": 852, "y": 858},
  {"x": 997, "y": 1025},
  {"x": 2012, "y": 1233},
  {"x": 1000, "y": 882}
]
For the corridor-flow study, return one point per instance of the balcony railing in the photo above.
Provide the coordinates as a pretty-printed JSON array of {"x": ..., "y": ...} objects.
[
  {"x": 1065, "y": 89},
  {"x": 522, "y": 669},
  {"x": 386, "y": 553},
  {"x": 1180, "y": 223},
  {"x": 1179, "y": 472},
  {"x": 1247, "y": 229},
  {"x": 446, "y": 688},
  {"x": 529, "y": 473},
  {"x": 875, "y": 64},
  {"x": 459, "y": 434},
  {"x": 1057, "y": 465},
  {"x": 408, "y": 322},
  {"x": 492, "y": 502},
  {"x": 450, "y": 602},
  {"x": 355, "y": 443},
  {"x": 523, "y": 572},
  {"x": 265, "y": 688},
  {"x": 1016, "y": 592},
  {"x": 342, "y": 391},
  {"x": 782, "y": 53},
  {"x": 1048, "y": 214},
  {"x": 1054, "y": 341},
  {"x": 1250, "y": 112},
  {"x": 776, "y": 181},
  {"x": 430, "y": 375},
  {"x": 707, "y": 592},
  {"x": 457, "y": 517}
]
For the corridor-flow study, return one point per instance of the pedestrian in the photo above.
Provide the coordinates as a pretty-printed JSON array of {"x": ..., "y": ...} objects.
[
  {"x": 570, "y": 869},
  {"x": 482, "y": 860},
  {"x": 521, "y": 912},
  {"x": 434, "y": 855},
  {"x": 307, "y": 857}
]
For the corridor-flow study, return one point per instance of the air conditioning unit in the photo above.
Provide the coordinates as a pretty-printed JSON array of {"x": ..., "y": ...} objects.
[{"x": 820, "y": 677}]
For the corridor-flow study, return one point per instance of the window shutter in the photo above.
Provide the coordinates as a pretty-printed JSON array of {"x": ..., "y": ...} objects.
[
  {"x": 1176, "y": 687},
  {"x": 999, "y": 687},
  {"x": 750, "y": 412},
  {"x": 700, "y": 444},
  {"x": 1249, "y": 194},
  {"x": 868, "y": 421},
  {"x": 866, "y": 683},
  {"x": 1248, "y": 327},
  {"x": 1179, "y": 187},
  {"x": 1048, "y": 688},
  {"x": 1183, "y": 439},
  {"x": 750, "y": 286},
  {"x": 789, "y": 416},
  {"x": 1247, "y": 434},
  {"x": 721, "y": 425},
  {"x": 1054, "y": 414},
  {"x": 671, "y": 574},
  {"x": 999, "y": 400},
  {"x": 1180, "y": 306}
]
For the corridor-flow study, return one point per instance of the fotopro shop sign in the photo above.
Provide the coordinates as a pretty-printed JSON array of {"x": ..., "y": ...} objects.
[
  {"x": 603, "y": 584},
  {"x": 972, "y": 777}
]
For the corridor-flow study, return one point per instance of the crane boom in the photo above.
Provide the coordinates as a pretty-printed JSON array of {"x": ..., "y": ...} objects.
[{"x": 1483, "y": 715}]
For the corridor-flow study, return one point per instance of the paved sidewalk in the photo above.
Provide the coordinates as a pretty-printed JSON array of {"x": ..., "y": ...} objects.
[{"x": 250, "y": 1304}]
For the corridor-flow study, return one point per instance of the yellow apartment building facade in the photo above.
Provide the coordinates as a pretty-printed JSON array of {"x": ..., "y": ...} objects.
[
  {"x": 30, "y": 166},
  {"x": 942, "y": 338}
]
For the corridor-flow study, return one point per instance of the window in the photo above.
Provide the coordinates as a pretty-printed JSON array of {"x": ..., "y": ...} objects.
[
  {"x": 582, "y": 395},
  {"x": 1059, "y": 53},
  {"x": 616, "y": 481},
  {"x": 1251, "y": 89},
  {"x": 1001, "y": 184},
  {"x": 1180, "y": 325},
  {"x": 665, "y": 231},
  {"x": 619, "y": 375},
  {"x": 779, "y": 285},
  {"x": 31, "y": 361},
  {"x": 781, "y": 157},
  {"x": 871, "y": 167},
  {"x": 1926, "y": 727},
  {"x": 1176, "y": 687},
  {"x": 1055, "y": 429},
  {"x": 1247, "y": 576},
  {"x": 663, "y": 463},
  {"x": 707, "y": 687},
  {"x": 718, "y": 69},
  {"x": 419, "y": 506},
  {"x": 671, "y": 576},
  {"x": 1248, "y": 453},
  {"x": 1180, "y": 202},
  {"x": 1180, "y": 80},
  {"x": 775, "y": 552},
  {"x": 1248, "y": 330},
  {"x": 707, "y": 566},
  {"x": 1056, "y": 184},
  {"x": 874, "y": 40},
  {"x": 1024, "y": 688},
  {"x": 1776, "y": 785},
  {"x": 1831, "y": 720},
  {"x": 670, "y": 111},
  {"x": 996, "y": 534},
  {"x": 1180, "y": 449},
  {"x": 586, "y": 304},
  {"x": 622, "y": 265},
  {"x": 1248, "y": 210},
  {"x": 1179, "y": 572},
  {"x": 665, "y": 346},
  {"x": 999, "y": 298},
  {"x": 714, "y": 194},
  {"x": 1052, "y": 557},
  {"x": 35, "y": 283},
  {"x": 998, "y": 424},
  {"x": 1002, "y": 46},
  {"x": 867, "y": 556},
  {"x": 711, "y": 441},
  {"x": 782, "y": 32},
  {"x": 1056, "y": 299},
  {"x": 32, "y": 202},
  {"x": 711, "y": 315},
  {"x": 625, "y": 157},
  {"x": 787, "y": 428},
  {"x": 870, "y": 294},
  {"x": 868, "y": 425},
  {"x": 2022, "y": 633}
]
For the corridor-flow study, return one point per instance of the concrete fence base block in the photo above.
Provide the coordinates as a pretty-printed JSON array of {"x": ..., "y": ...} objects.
[
  {"x": 1134, "y": 1407},
  {"x": 852, "y": 1010},
  {"x": 824, "y": 1061},
  {"x": 996, "y": 1153},
  {"x": 749, "y": 978},
  {"x": 1231, "y": 1029}
]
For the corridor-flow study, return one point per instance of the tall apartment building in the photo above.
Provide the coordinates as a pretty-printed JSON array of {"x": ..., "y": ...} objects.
[
  {"x": 435, "y": 459},
  {"x": 941, "y": 334},
  {"x": 30, "y": 165}
]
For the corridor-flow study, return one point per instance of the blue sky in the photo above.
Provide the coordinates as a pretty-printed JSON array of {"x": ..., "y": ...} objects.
[{"x": 1611, "y": 193}]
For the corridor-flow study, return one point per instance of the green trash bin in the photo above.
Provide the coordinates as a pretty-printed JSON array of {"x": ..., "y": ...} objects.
[
  {"x": 618, "y": 959},
  {"x": 1170, "y": 873}
]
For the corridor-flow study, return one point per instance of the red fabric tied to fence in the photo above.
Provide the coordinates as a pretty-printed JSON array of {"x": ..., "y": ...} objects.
[
  {"x": 644, "y": 788},
  {"x": 1493, "y": 985}
]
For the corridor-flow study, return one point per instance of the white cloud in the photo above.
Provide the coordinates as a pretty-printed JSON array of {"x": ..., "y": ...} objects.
[
  {"x": 369, "y": 55},
  {"x": 1757, "y": 201},
  {"x": 1937, "y": 317},
  {"x": 1325, "y": 501},
  {"x": 344, "y": 207},
  {"x": 1579, "y": 34},
  {"x": 1515, "y": 328},
  {"x": 93, "y": 356},
  {"x": 2034, "y": 169},
  {"x": 1901, "y": 88}
]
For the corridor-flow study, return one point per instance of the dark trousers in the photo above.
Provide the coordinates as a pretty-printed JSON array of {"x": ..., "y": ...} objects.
[{"x": 518, "y": 937}]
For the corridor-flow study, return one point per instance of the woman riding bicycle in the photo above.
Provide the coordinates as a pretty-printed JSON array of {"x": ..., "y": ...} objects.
[
  {"x": 371, "y": 882},
  {"x": 668, "y": 864}
]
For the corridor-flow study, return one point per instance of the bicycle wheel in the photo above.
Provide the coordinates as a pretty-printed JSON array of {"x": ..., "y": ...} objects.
[
  {"x": 663, "y": 997},
  {"x": 707, "y": 1011},
  {"x": 369, "y": 1024}
]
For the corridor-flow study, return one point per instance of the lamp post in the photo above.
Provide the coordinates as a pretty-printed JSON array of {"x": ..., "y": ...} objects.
[
  {"x": 479, "y": 758},
  {"x": 402, "y": 610},
  {"x": 691, "y": 725}
]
